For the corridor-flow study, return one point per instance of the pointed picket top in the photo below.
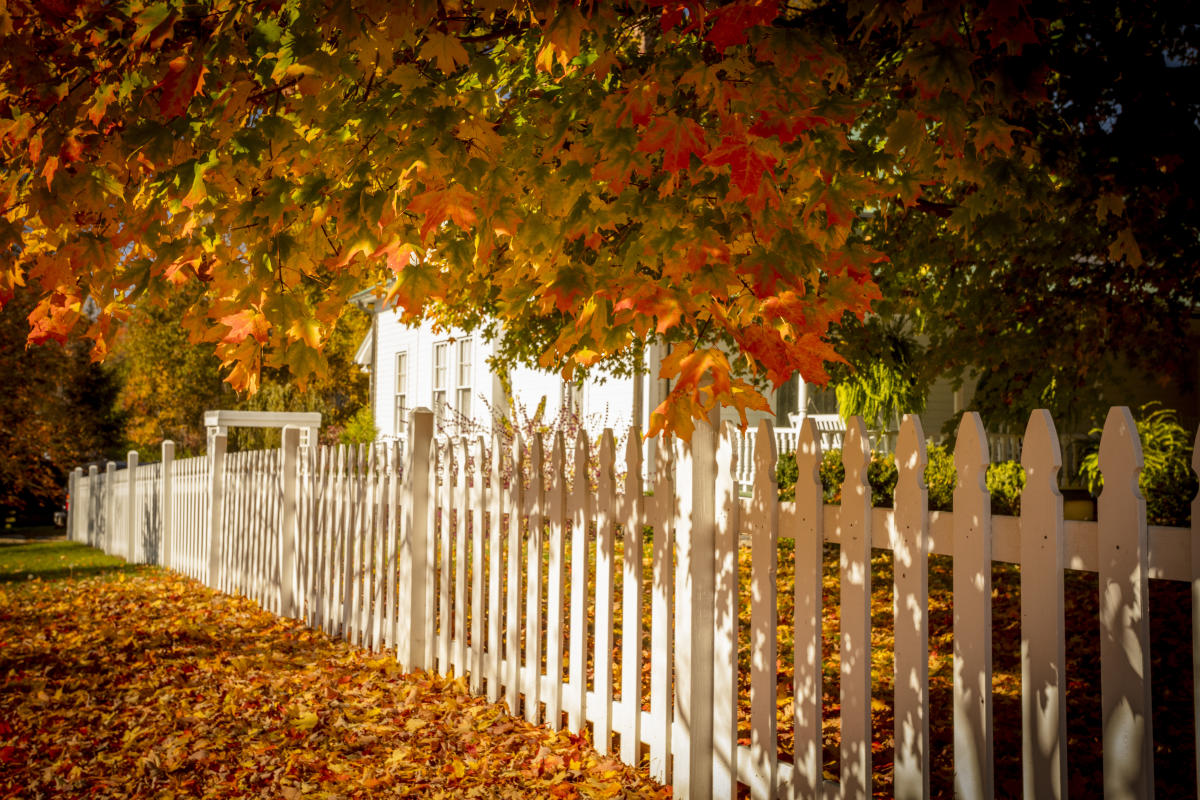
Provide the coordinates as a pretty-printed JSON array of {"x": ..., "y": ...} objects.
[
  {"x": 971, "y": 456},
  {"x": 1120, "y": 454},
  {"x": 496, "y": 475},
  {"x": 633, "y": 462},
  {"x": 856, "y": 455},
  {"x": 608, "y": 449},
  {"x": 537, "y": 461},
  {"x": 518, "y": 460},
  {"x": 481, "y": 459},
  {"x": 764, "y": 449},
  {"x": 808, "y": 453},
  {"x": 911, "y": 457},
  {"x": 583, "y": 454},
  {"x": 558, "y": 457},
  {"x": 1041, "y": 454},
  {"x": 662, "y": 467}
]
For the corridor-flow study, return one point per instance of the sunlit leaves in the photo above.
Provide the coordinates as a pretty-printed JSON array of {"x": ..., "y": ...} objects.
[{"x": 590, "y": 178}]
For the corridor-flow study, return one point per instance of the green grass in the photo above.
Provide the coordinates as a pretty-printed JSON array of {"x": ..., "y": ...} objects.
[{"x": 56, "y": 560}]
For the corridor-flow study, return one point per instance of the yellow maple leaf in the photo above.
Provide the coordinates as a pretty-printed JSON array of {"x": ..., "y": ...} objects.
[{"x": 445, "y": 51}]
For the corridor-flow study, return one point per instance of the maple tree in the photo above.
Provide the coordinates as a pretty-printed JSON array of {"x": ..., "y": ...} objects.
[{"x": 576, "y": 180}]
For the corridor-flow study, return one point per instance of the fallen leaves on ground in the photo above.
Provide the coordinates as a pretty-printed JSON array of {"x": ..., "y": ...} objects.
[{"x": 152, "y": 685}]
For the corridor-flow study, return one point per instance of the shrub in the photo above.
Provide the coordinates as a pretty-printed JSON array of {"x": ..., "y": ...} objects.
[
  {"x": 1005, "y": 481},
  {"x": 359, "y": 429},
  {"x": 1167, "y": 481}
]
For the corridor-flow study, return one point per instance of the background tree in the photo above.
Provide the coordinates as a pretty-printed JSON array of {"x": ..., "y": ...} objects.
[
  {"x": 57, "y": 413},
  {"x": 1083, "y": 288},
  {"x": 167, "y": 382}
]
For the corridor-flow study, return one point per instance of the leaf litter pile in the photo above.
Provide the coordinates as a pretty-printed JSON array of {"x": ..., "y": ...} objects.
[{"x": 155, "y": 686}]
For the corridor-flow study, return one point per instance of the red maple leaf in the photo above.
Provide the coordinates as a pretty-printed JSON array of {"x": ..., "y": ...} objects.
[
  {"x": 731, "y": 22},
  {"x": 183, "y": 79},
  {"x": 747, "y": 164},
  {"x": 678, "y": 138}
]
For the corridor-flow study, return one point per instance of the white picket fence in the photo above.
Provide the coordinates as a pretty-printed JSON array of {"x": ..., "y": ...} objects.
[{"x": 442, "y": 561}]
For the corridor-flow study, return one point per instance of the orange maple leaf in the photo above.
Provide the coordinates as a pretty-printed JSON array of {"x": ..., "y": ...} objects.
[
  {"x": 678, "y": 138},
  {"x": 454, "y": 203}
]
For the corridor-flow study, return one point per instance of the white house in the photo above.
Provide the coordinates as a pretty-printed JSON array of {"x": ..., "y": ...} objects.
[{"x": 448, "y": 371}]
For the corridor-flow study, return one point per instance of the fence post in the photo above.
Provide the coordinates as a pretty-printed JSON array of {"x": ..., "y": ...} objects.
[
  {"x": 168, "y": 465},
  {"x": 287, "y": 523},
  {"x": 413, "y": 552},
  {"x": 73, "y": 504},
  {"x": 131, "y": 466},
  {"x": 110, "y": 507},
  {"x": 216, "y": 497},
  {"x": 695, "y": 541},
  {"x": 93, "y": 512}
]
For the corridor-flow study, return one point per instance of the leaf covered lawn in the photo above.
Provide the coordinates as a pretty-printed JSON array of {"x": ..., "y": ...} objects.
[{"x": 151, "y": 685}]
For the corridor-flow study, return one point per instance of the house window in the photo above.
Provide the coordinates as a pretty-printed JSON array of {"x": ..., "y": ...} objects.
[
  {"x": 401, "y": 419},
  {"x": 441, "y": 355},
  {"x": 463, "y": 398}
]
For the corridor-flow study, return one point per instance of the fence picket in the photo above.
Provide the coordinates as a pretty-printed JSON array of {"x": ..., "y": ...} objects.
[
  {"x": 725, "y": 623},
  {"x": 602, "y": 659},
  {"x": 662, "y": 602},
  {"x": 763, "y": 524},
  {"x": 581, "y": 504},
  {"x": 1124, "y": 613},
  {"x": 910, "y": 615},
  {"x": 633, "y": 519},
  {"x": 1195, "y": 542},
  {"x": 461, "y": 514},
  {"x": 1043, "y": 637},
  {"x": 974, "y": 777},
  {"x": 855, "y": 569},
  {"x": 496, "y": 496},
  {"x": 478, "y": 506},
  {"x": 445, "y": 540},
  {"x": 535, "y": 498},
  {"x": 555, "y": 503},
  {"x": 807, "y": 779},
  {"x": 512, "y": 622}
]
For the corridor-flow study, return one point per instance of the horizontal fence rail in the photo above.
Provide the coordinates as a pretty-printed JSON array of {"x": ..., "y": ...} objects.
[{"x": 543, "y": 572}]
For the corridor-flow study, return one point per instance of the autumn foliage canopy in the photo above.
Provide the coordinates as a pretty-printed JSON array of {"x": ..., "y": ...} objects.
[{"x": 577, "y": 179}]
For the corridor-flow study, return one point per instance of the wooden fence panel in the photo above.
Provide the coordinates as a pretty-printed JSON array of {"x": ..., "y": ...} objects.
[{"x": 633, "y": 520}]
